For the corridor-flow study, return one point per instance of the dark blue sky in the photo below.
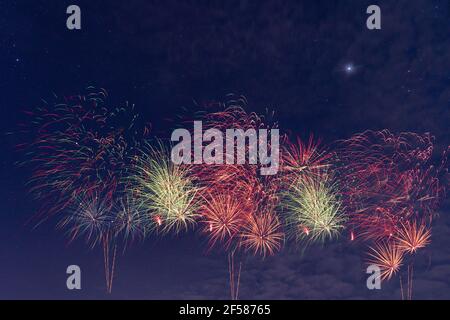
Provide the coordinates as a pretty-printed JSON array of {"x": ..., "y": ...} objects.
[{"x": 288, "y": 56}]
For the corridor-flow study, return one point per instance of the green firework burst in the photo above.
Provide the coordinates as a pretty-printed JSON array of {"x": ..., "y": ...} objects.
[
  {"x": 312, "y": 210},
  {"x": 164, "y": 191}
]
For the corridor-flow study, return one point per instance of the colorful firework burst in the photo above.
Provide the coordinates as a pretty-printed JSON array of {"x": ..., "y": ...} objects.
[
  {"x": 238, "y": 202},
  {"x": 164, "y": 191},
  {"x": 93, "y": 218},
  {"x": 312, "y": 210},
  {"x": 80, "y": 145}
]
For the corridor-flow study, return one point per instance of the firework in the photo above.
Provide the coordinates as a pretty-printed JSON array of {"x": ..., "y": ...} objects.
[
  {"x": 412, "y": 236},
  {"x": 130, "y": 221},
  {"x": 304, "y": 158},
  {"x": 388, "y": 257},
  {"x": 238, "y": 202},
  {"x": 93, "y": 219},
  {"x": 391, "y": 192},
  {"x": 241, "y": 182},
  {"x": 80, "y": 145},
  {"x": 223, "y": 218},
  {"x": 80, "y": 151},
  {"x": 387, "y": 180},
  {"x": 164, "y": 191},
  {"x": 90, "y": 166},
  {"x": 312, "y": 209},
  {"x": 262, "y": 234}
]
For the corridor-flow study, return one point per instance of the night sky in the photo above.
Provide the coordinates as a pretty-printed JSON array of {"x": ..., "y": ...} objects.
[{"x": 172, "y": 57}]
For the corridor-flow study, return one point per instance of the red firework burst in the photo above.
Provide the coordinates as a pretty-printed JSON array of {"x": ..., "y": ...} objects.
[
  {"x": 242, "y": 183},
  {"x": 223, "y": 218},
  {"x": 387, "y": 180},
  {"x": 304, "y": 157}
]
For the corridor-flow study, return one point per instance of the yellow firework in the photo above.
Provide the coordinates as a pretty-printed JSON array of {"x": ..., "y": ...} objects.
[
  {"x": 164, "y": 191},
  {"x": 388, "y": 257},
  {"x": 412, "y": 236},
  {"x": 312, "y": 209}
]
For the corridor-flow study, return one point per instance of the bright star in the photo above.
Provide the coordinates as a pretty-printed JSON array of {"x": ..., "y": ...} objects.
[{"x": 349, "y": 68}]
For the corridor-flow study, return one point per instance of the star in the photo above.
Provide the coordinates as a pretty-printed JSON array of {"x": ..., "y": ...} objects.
[{"x": 349, "y": 68}]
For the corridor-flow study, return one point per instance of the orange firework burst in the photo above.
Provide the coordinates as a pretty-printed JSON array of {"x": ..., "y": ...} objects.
[
  {"x": 262, "y": 234},
  {"x": 388, "y": 257},
  {"x": 412, "y": 236},
  {"x": 223, "y": 217}
]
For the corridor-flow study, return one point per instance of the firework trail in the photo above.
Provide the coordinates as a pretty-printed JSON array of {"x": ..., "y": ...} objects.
[
  {"x": 93, "y": 219},
  {"x": 410, "y": 237}
]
